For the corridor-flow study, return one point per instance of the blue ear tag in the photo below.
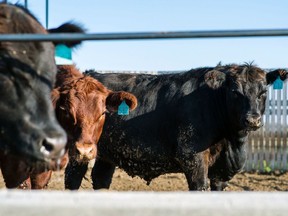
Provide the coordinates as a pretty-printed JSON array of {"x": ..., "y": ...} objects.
[
  {"x": 123, "y": 108},
  {"x": 63, "y": 55},
  {"x": 278, "y": 83}
]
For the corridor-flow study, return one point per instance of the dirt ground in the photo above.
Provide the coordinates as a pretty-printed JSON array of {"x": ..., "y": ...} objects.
[{"x": 176, "y": 182}]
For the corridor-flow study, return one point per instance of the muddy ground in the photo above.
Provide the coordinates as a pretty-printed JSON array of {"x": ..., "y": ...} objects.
[{"x": 176, "y": 182}]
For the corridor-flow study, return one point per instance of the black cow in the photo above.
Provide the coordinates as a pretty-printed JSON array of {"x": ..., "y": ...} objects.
[
  {"x": 224, "y": 159},
  {"x": 224, "y": 162},
  {"x": 30, "y": 136},
  {"x": 178, "y": 119}
]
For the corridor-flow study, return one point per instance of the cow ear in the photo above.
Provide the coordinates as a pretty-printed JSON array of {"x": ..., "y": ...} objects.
[
  {"x": 55, "y": 95},
  {"x": 68, "y": 27},
  {"x": 114, "y": 99},
  {"x": 273, "y": 75},
  {"x": 215, "y": 79}
]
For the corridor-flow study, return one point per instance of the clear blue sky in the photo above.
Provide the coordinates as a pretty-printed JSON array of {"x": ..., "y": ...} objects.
[{"x": 171, "y": 15}]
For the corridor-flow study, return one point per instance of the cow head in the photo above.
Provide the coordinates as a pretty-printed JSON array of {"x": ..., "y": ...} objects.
[
  {"x": 81, "y": 103},
  {"x": 245, "y": 88},
  {"x": 28, "y": 126}
]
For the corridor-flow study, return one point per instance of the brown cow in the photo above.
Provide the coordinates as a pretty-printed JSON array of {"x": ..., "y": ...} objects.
[{"x": 81, "y": 103}]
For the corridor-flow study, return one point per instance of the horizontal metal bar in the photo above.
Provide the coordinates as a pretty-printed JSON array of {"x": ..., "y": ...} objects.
[{"x": 143, "y": 35}]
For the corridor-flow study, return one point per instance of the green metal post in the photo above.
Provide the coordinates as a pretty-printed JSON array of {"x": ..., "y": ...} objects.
[{"x": 47, "y": 13}]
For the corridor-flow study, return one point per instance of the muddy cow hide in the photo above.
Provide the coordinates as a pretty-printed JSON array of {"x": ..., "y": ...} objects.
[
  {"x": 180, "y": 117},
  {"x": 225, "y": 160},
  {"x": 31, "y": 137},
  {"x": 81, "y": 104}
]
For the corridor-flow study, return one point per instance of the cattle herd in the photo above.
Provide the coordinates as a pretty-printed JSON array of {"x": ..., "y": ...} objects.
[{"x": 55, "y": 117}]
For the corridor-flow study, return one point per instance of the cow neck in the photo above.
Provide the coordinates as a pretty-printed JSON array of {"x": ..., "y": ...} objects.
[
  {"x": 235, "y": 136},
  {"x": 235, "y": 156},
  {"x": 236, "y": 153},
  {"x": 2, "y": 64},
  {"x": 220, "y": 110},
  {"x": 238, "y": 138}
]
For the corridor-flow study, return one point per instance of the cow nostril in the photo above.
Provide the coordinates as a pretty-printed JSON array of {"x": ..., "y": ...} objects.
[
  {"x": 253, "y": 121},
  {"x": 53, "y": 147},
  {"x": 248, "y": 121},
  {"x": 78, "y": 152},
  {"x": 84, "y": 150},
  {"x": 48, "y": 146}
]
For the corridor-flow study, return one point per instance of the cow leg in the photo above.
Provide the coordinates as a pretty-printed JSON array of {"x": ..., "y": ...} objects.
[
  {"x": 74, "y": 173},
  {"x": 196, "y": 172},
  {"x": 16, "y": 178},
  {"x": 216, "y": 185},
  {"x": 40, "y": 180},
  {"x": 25, "y": 184},
  {"x": 15, "y": 172},
  {"x": 102, "y": 174}
]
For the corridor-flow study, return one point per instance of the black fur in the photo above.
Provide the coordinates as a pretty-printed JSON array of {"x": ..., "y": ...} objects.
[
  {"x": 69, "y": 27},
  {"x": 178, "y": 119}
]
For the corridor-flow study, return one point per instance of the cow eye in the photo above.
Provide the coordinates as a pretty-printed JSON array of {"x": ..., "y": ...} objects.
[
  {"x": 101, "y": 116},
  {"x": 262, "y": 95},
  {"x": 65, "y": 112},
  {"x": 236, "y": 93}
]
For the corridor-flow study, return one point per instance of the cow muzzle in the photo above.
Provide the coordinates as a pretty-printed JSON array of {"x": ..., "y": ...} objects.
[
  {"x": 253, "y": 122},
  {"x": 53, "y": 148},
  {"x": 85, "y": 152}
]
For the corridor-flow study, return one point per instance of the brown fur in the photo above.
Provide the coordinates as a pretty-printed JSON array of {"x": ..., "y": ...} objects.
[{"x": 80, "y": 103}]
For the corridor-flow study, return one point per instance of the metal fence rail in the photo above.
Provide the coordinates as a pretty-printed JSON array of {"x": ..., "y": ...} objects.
[{"x": 144, "y": 35}]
